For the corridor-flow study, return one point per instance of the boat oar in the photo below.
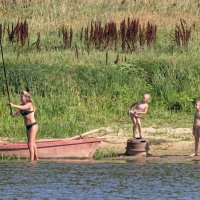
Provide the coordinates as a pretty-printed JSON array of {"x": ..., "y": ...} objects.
[{"x": 5, "y": 75}]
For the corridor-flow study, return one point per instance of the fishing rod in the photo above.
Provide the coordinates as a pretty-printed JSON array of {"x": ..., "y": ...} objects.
[{"x": 5, "y": 75}]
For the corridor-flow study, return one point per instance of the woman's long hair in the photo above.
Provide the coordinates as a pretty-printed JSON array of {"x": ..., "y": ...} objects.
[{"x": 28, "y": 98}]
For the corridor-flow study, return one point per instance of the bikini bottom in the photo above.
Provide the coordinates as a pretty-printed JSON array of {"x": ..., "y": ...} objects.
[
  {"x": 196, "y": 130},
  {"x": 28, "y": 127},
  {"x": 134, "y": 114}
]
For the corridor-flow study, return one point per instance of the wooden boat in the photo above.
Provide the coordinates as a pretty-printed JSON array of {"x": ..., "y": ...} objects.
[{"x": 76, "y": 149}]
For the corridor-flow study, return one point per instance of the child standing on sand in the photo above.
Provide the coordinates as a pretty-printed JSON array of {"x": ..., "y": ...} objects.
[
  {"x": 196, "y": 127},
  {"x": 136, "y": 110}
]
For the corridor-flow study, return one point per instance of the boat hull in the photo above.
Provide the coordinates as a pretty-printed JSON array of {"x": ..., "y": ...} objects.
[{"x": 80, "y": 148}]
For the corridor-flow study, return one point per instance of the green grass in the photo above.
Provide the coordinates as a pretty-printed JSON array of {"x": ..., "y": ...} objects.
[
  {"x": 9, "y": 157},
  {"x": 172, "y": 136},
  {"x": 74, "y": 99},
  {"x": 74, "y": 95},
  {"x": 104, "y": 153}
]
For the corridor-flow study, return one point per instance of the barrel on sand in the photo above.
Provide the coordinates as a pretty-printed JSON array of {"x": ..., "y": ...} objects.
[{"x": 137, "y": 147}]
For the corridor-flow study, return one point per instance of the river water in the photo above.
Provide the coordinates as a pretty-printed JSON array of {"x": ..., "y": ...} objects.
[{"x": 98, "y": 180}]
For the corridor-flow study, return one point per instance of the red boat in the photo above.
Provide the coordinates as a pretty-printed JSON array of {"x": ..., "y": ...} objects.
[{"x": 79, "y": 148}]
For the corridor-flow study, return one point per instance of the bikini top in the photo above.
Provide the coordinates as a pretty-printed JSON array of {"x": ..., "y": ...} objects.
[
  {"x": 140, "y": 106},
  {"x": 26, "y": 112}
]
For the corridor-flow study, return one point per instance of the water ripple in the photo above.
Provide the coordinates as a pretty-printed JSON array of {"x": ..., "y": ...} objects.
[{"x": 54, "y": 180}]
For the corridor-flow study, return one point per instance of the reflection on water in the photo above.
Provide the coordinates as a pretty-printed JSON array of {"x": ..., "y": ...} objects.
[{"x": 99, "y": 180}]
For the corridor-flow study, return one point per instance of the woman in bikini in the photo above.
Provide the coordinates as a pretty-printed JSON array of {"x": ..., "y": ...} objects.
[
  {"x": 196, "y": 127},
  {"x": 27, "y": 110},
  {"x": 136, "y": 110}
]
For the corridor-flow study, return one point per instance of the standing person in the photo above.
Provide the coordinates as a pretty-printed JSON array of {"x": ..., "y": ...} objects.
[
  {"x": 136, "y": 110},
  {"x": 27, "y": 110},
  {"x": 196, "y": 127}
]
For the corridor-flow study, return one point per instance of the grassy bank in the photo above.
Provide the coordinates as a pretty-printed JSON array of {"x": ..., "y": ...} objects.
[
  {"x": 73, "y": 99},
  {"x": 77, "y": 88}
]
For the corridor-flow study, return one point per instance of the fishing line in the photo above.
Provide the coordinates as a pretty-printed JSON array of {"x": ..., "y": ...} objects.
[{"x": 5, "y": 75}]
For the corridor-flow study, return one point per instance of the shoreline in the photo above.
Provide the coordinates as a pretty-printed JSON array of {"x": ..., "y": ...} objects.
[
  {"x": 166, "y": 144},
  {"x": 163, "y": 142}
]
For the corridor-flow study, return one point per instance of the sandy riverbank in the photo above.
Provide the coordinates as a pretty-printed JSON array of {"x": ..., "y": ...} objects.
[
  {"x": 166, "y": 144},
  {"x": 163, "y": 141},
  {"x": 174, "y": 144}
]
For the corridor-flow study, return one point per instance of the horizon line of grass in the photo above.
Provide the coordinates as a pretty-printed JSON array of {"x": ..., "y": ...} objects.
[{"x": 47, "y": 14}]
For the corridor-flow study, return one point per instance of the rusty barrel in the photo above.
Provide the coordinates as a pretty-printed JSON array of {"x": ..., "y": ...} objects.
[{"x": 137, "y": 147}]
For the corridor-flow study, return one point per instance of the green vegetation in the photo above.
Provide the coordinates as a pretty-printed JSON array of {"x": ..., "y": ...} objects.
[
  {"x": 104, "y": 153},
  {"x": 79, "y": 87},
  {"x": 165, "y": 137},
  {"x": 9, "y": 157}
]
